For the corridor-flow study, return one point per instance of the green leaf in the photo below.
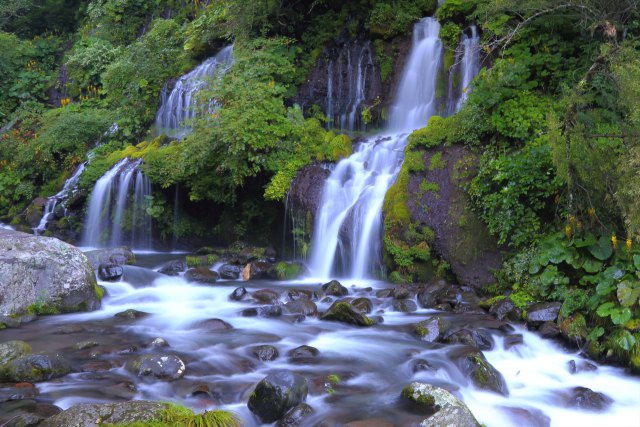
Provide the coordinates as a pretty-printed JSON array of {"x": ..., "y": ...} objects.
[
  {"x": 620, "y": 316},
  {"x": 605, "y": 287},
  {"x": 588, "y": 240},
  {"x": 605, "y": 309},
  {"x": 595, "y": 333},
  {"x": 636, "y": 262},
  {"x": 602, "y": 249},
  {"x": 628, "y": 292},
  {"x": 592, "y": 265},
  {"x": 626, "y": 340},
  {"x": 534, "y": 268}
]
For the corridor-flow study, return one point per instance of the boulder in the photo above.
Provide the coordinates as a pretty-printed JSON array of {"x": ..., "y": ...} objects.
[
  {"x": 96, "y": 415},
  {"x": 12, "y": 350},
  {"x": 213, "y": 325},
  {"x": 17, "y": 391},
  {"x": 363, "y": 305},
  {"x": 296, "y": 416},
  {"x": 256, "y": 270},
  {"x": 586, "y": 399},
  {"x": 478, "y": 338},
  {"x": 335, "y": 288},
  {"x": 276, "y": 394},
  {"x": 118, "y": 256},
  {"x": 161, "y": 366},
  {"x": 35, "y": 368},
  {"x": 549, "y": 330},
  {"x": 27, "y": 412},
  {"x": 341, "y": 311},
  {"x": 201, "y": 275},
  {"x": 505, "y": 309},
  {"x": 301, "y": 306},
  {"x": 43, "y": 275},
  {"x": 306, "y": 189},
  {"x": 265, "y": 311},
  {"x": 581, "y": 366},
  {"x": 449, "y": 410},
  {"x": 265, "y": 352},
  {"x": 426, "y": 298},
  {"x": 475, "y": 366},
  {"x": 131, "y": 314},
  {"x": 303, "y": 352},
  {"x": 404, "y": 305},
  {"x": 238, "y": 294},
  {"x": 543, "y": 312},
  {"x": 173, "y": 267},
  {"x": 298, "y": 294},
  {"x": 432, "y": 329},
  {"x": 574, "y": 328},
  {"x": 529, "y": 417},
  {"x": 230, "y": 271},
  {"x": 110, "y": 272}
]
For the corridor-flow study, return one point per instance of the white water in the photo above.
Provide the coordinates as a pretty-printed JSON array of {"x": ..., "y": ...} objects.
[
  {"x": 347, "y": 230},
  {"x": 464, "y": 70},
  {"x": 181, "y": 105},
  {"x": 68, "y": 190}
]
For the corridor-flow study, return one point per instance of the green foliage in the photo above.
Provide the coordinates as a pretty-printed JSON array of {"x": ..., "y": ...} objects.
[
  {"x": 456, "y": 10},
  {"x": 511, "y": 192},
  {"x": 520, "y": 117},
  {"x": 176, "y": 415},
  {"x": 389, "y": 19},
  {"x": 450, "y": 36},
  {"x": 87, "y": 61}
]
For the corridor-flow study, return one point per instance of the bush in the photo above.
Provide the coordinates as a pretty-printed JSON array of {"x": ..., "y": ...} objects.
[{"x": 87, "y": 61}]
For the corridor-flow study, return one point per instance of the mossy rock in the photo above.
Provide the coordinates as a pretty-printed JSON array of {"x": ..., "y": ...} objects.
[
  {"x": 341, "y": 311},
  {"x": 419, "y": 400},
  {"x": 574, "y": 328},
  {"x": 11, "y": 350},
  {"x": 482, "y": 374},
  {"x": 432, "y": 329},
  {"x": 35, "y": 368},
  {"x": 276, "y": 394}
]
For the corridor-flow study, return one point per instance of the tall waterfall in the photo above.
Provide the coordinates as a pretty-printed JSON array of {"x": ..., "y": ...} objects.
[
  {"x": 465, "y": 68},
  {"x": 117, "y": 208},
  {"x": 348, "y": 223},
  {"x": 181, "y": 105},
  {"x": 67, "y": 191}
]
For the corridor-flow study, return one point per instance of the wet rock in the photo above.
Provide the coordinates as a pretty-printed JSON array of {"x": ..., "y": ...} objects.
[
  {"x": 574, "y": 328},
  {"x": 543, "y": 312},
  {"x": 302, "y": 306},
  {"x": 443, "y": 307},
  {"x": 306, "y": 190},
  {"x": 370, "y": 422},
  {"x": 35, "y": 368},
  {"x": 300, "y": 294},
  {"x": 475, "y": 337},
  {"x": 421, "y": 365},
  {"x": 238, "y": 294},
  {"x": 384, "y": 293},
  {"x": 173, "y": 267},
  {"x": 265, "y": 311},
  {"x": 426, "y": 299},
  {"x": 256, "y": 270},
  {"x": 23, "y": 413},
  {"x": 110, "y": 272},
  {"x": 265, "y": 352},
  {"x": 213, "y": 325},
  {"x": 549, "y": 330},
  {"x": 296, "y": 416},
  {"x": 161, "y": 366},
  {"x": 587, "y": 399},
  {"x": 404, "y": 305},
  {"x": 158, "y": 343},
  {"x": 96, "y": 366},
  {"x": 202, "y": 391},
  {"x": 581, "y": 366},
  {"x": 84, "y": 345},
  {"x": 43, "y": 275},
  {"x": 118, "y": 256},
  {"x": 276, "y": 394},
  {"x": 512, "y": 340},
  {"x": 401, "y": 292},
  {"x": 131, "y": 314},
  {"x": 266, "y": 296},
  {"x": 304, "y": 351},
  {"x": 17, "y": 391},
  {"x": 249, "y": 312},
  {"x": 505, "y": 309},
  {"x": 201, "y": 275},
  {"x": 96, "y": 415},
  {"x": 343, "y": 312},
  {"x": 335, "y": 288},
  {"x": 12, "y": 350},
  {"x": 15, "y": 321},
  {"x": 432, "y": 329},
  {"x": 449, "y": 410},
  {"x": 230, "y": 271},
  {"x": 475, "y": 366},
  {"x": 363, "y": 305},
  {"x": 529, "y": 417}
]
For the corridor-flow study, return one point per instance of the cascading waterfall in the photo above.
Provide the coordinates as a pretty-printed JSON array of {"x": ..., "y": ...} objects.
[
  {"x": 348, "y": 223},
  {"x": 464, "y": 70},
  {"x": 181, "y": 105},
  {"x": 117, "y": 205},
  {"x": 68, "y": 189}
]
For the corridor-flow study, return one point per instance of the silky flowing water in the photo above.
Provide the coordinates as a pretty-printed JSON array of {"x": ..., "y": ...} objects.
[{"x": 373, "y": 364}]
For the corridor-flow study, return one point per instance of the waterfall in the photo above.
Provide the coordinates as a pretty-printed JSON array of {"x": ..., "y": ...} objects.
[
  {"x": 181, "y": 105},
  {"x": 68, "y": 189},
  {"x": 117, "y": 205},
  {"x": 349, "y": 221},
  {"x": 353, "y": 69},
  {"x": 465, "y": 68}
]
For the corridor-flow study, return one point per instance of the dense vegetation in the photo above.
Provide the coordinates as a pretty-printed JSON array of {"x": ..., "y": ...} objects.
[{"x": 554, "y": 115}]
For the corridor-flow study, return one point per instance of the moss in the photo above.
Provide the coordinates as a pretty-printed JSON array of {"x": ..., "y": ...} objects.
[
  {"x": 201, "y": 260},
  {"x": 176, "y": 415},
  {"x": 41, "y": 308},
  {"x": 99, "y": 290},
  {"x": 421, "y": 400},
  {"x": 436, "y": 162}
]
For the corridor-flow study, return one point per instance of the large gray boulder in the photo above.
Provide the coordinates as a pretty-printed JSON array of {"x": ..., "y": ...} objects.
[
  {"x": 276, "y": 394},
  {"x": 450, "y": 411},
  {"x": 96, "y": 415},
  {"x": 115, "y": 256},
  {"x": 44, "y": 275}
]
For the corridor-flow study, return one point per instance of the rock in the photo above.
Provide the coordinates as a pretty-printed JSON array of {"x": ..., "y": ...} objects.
[
  {"x": 505, "y": 309},
  {"x": 118, "y": 256},
  {"x": 421, "y": 365},
  {"x": 418, "y": 399},
  {"x": 161, "y": 366},
  {"x": 549, "y": 330},
  {"x": 587, "y": 399},
  {"x": 110, "y": 272},
  {"x": 296, "y": 416},
  {"x": 529, "y": 417},
  {"x": 131, "y": 314},
  {"x": 298, "y": 294},
  {"x": 276, "y": 394},
  {"x": 450, "y": 411},
  {"x": 426, "y": 298},
  {"x": 384, "y": 293},
  {"x": 173, "y": 267},
  {"x": 266, "y": 296},
  {"x": 201, "y": 275},
  {"x": 17, "y": 391},
  {"x": 159, "y": 343},
  {"x": 213, "y": 325},
  {"x": 43, "y": 275},
  {"x": 256, "y": 270},
  {"x": 343, "y": 312},
  {"x": 301, "y": 306},
  {"x": 335, "y": 288},
  {"x": 230, "y": 271},
  {"x": 265, "y": 352},
  {"x": 306, "y": 189},
  {"x": 581, "y": 366},
  {"x": 401, "y": 292},
  {"x": 12, "y": 350},
  {"x": 574, "y": 328},
  {"x": 370, "y": 422},
  {"x": 432, "y": 329},
  {"x": 15, "y": 321},
  {"x": 404, "y": 305},
  {"x": 35, "y": 368},
  {"x": 363, "y": 305},
  {"x": 543, "y": 312},
  {"x": 304, "y": 351},
  {"x": 478, "y": 338},
  {"x": 238, "y": 294},
  {"x": 97, "y": 415},
  {"x": 512, "y": 340},
  {"x": 84, "y": 345},
  {"x": 265, "y": 311},
  {"x": 475, "y": 366},
  {"x": 27, "y": 412}
]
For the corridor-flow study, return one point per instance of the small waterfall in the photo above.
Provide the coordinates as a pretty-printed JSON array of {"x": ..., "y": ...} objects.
[
  {"x": 181, "y": 105},
  {"x": 353, "y": 69},
  {"x": 117, "y": 208},
  {"x": 465, "y": 68},
  {"x": 348, "y": 224},
  {"x": 68, "y": 189}
]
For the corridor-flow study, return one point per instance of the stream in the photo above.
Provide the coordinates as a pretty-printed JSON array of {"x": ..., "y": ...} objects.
[{"x": 372, "y": 365}]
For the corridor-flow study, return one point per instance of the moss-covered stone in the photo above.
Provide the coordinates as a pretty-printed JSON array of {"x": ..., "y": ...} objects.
[
  {"x": 418, "y": 399},
  {"x": 574, "y": 328},
  {"x": 12, "y": 350},
  {"x": 343, "y": 312},
  {"x": 35, "y": 368}
]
